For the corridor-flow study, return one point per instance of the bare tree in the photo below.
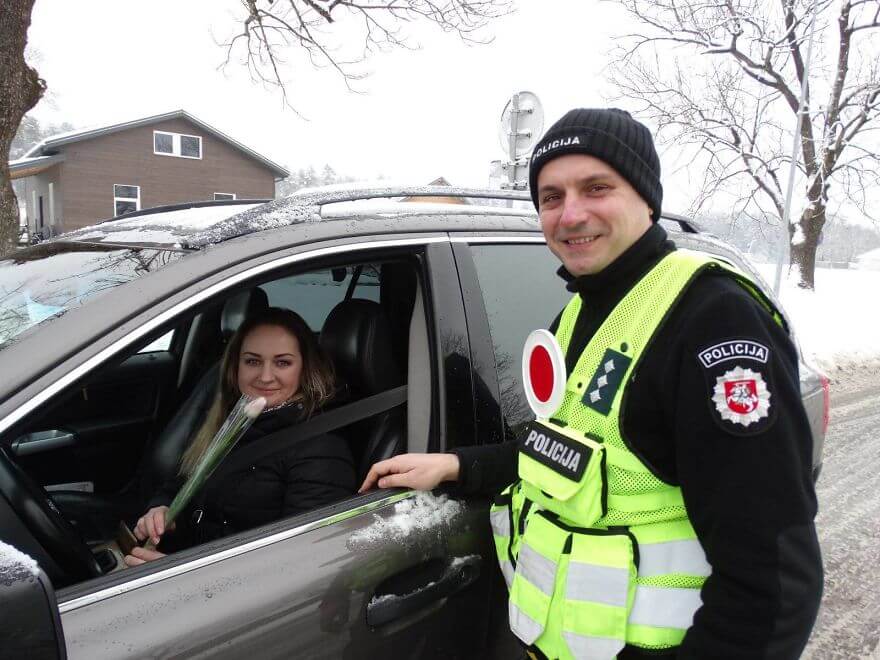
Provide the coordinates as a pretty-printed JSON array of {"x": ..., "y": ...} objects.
[
  {"x": 271, "y": 27},
  {"x": 725, "y": 78},
  {"x": 269, "y": 30},
  {"x": 20, "y": 89}
]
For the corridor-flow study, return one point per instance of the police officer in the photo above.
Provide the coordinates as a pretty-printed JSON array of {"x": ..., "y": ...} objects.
[{"x": 666, "y": 510}]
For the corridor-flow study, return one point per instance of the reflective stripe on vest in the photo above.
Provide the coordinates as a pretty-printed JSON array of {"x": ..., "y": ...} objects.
[
  {"x": 499, "y": 517},
  {"x": 585, "y": 647},
  {"x": 682, "y": 557},
  {"x": 536, "y": 569},
  {"x": 599, "y": 584},
  {"x": 665, "y": 607}
]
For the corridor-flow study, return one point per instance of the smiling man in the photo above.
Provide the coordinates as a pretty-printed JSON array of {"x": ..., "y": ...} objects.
[{"x": 687, "y": 530}]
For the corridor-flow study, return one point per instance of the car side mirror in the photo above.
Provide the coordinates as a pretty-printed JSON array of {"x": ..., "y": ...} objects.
[{"x": 31, "y": 622}]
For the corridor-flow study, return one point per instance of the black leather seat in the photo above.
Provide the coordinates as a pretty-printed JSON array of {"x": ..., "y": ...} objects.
[
  {"x": 357, "y": 337},
  {"x": 97, "y": 516}
]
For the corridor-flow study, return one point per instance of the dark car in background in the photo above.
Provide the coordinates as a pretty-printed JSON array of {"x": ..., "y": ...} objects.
[{"x": 109, "y": 342}]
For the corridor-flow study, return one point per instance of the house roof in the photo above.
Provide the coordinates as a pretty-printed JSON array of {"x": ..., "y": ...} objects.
[
  {"x": 50, "y": 145},
  {"x": 29, "y": 166}
]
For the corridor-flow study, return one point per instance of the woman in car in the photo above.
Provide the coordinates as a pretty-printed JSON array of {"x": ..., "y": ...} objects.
[{"x": 273, "y": 355}]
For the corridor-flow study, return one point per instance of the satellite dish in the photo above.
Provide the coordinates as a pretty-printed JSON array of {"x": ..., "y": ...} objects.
[
  {"x": 522, "y": 123},
  {"x": 543, "y": 371}
]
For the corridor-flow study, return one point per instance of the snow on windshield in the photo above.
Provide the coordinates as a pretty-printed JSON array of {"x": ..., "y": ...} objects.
[
  {"x": 15, "y": 564},
  {"x": 45, "y": 281}
]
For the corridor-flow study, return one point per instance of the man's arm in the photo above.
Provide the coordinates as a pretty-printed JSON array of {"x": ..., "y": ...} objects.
[
  {"x": 744, "y": 462},
  {"x": 482, "y": 469}
]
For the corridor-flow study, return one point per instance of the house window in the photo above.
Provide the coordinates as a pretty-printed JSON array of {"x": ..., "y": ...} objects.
[
  {"x": 126, "y": 199},
  {"x": 223, "y": 196},
  {"x": 176, "y": 144}
]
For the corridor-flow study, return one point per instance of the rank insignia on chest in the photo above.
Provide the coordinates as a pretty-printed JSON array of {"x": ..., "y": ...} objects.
[{"x": 606, "y": 381}]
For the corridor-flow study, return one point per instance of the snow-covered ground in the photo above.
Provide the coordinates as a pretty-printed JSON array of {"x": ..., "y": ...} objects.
[{"x": 838, "y": 324}]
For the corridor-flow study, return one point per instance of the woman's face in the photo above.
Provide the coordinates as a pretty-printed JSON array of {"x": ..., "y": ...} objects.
[{"x": 270, "y": 364}]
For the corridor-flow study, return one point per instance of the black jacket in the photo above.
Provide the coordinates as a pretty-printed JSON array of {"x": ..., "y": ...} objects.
[
  {"x": 310, "y": 474},
  {"x": 748, "y": 489}
]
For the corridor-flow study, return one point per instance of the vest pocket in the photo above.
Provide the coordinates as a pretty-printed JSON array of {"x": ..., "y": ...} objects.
[
  {"x": 535, "y": 579},
  {"x": 564, "y": 471},
  {"x": 599, "y": 592}
]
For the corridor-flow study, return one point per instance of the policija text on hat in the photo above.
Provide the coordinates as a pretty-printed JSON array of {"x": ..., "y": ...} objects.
[{"x": 666, "y": 508}]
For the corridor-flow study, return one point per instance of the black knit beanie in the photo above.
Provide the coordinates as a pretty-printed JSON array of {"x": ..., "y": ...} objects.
[{"x": 612, "y": 136}]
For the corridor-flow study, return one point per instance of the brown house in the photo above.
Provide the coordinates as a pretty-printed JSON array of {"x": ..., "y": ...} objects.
[{"x": 80, "y": 178}]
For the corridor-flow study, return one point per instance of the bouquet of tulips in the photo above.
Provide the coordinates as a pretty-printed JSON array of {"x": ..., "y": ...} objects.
[{"x": 240, "y": 419}]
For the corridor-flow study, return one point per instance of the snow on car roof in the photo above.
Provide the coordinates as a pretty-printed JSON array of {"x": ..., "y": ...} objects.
[
  {"x": 202, "y": 224},
  {"x": 175, "y": 227}
]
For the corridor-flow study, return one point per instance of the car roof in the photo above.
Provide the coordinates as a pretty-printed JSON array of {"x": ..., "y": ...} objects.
[{"x": 199, "y": 224}]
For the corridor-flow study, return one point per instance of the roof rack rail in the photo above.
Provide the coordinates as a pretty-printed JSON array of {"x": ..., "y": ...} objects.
[{"x": 334, "y": 194}]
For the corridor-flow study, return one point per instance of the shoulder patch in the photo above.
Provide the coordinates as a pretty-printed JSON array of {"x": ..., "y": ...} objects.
[
  {"x": 734, "y": 349},
  {"x": 741, "y": 397}
]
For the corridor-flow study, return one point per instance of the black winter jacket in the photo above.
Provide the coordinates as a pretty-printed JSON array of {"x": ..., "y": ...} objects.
[
  {"x": 748, "y": 489},
  {"x": 311, "y": 474}
]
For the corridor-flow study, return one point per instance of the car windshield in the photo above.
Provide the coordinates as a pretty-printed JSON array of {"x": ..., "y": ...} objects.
[{"x": 43, "y": 282}]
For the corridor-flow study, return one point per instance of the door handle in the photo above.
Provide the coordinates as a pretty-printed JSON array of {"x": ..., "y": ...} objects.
[
  {"x": 39, "y": 441},
  {"x": 458, "y": 574}
]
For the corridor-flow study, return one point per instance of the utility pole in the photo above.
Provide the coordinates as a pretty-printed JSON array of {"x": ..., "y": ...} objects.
[{"x": 796, "y": 143}]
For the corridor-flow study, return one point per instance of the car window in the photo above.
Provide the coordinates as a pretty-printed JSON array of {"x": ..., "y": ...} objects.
[
  {"x": 162, "y": 343},
  {"x": 521, "y": 292},
  {"x": 313, "y": 295}
]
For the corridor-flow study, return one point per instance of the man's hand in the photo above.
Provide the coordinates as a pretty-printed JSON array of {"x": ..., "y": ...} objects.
[
  {"x": 152, "y": 525},
  {"x": 416, "y": 471},
  {"x": 140, "y": 556}
]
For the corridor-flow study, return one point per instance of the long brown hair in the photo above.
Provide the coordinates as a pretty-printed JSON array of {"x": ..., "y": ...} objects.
[{"x": 316, "y": 379}]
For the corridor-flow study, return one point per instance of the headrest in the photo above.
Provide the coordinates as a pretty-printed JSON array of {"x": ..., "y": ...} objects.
[
  {"x": 239, "y": 307},
  {"x": 357, "y": 337}
]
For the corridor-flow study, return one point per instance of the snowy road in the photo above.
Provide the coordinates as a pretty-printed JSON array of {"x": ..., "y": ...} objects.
[{"x": 849, "y": 531}]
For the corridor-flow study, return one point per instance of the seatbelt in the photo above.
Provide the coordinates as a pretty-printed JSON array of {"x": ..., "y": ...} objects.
[{"x": 323, "y": 423}]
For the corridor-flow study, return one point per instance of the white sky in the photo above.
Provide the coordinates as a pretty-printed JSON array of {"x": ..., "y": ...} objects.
[
  {"x": 432, "y": 112},
  {"x": 422, "y": 114}
]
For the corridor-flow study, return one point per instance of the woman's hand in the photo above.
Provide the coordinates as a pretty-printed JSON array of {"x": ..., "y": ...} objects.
[
  {"x": 140, "y": 556},
  {"x": 416, "y": 471},
  {"x": 152, "y": 525}
]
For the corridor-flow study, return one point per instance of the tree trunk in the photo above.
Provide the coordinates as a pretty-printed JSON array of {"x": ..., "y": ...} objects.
[
  {"x": 803, "y": 254},
  {"x": 20, "y": 89}
]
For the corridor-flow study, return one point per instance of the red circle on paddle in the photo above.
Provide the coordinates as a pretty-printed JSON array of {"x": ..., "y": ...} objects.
[{"x": 541, "y": 373}]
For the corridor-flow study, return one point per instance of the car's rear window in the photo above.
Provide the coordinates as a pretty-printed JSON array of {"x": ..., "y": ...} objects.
[{"x": 43, "y": 282}]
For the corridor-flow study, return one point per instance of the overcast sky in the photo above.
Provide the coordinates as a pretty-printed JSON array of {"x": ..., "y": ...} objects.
[
  {"x": 432, "y": 112},
  {"x": 421, "y": 114}
]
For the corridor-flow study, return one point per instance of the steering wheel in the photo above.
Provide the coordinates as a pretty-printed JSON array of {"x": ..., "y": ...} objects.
[{"x": 42, "y": 519}]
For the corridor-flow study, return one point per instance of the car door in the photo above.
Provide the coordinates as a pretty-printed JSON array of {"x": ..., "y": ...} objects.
[{"x": 386, "y": 574}]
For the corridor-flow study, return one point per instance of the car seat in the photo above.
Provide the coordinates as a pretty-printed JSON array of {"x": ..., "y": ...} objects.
[{"x": 357, "y": 337}]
